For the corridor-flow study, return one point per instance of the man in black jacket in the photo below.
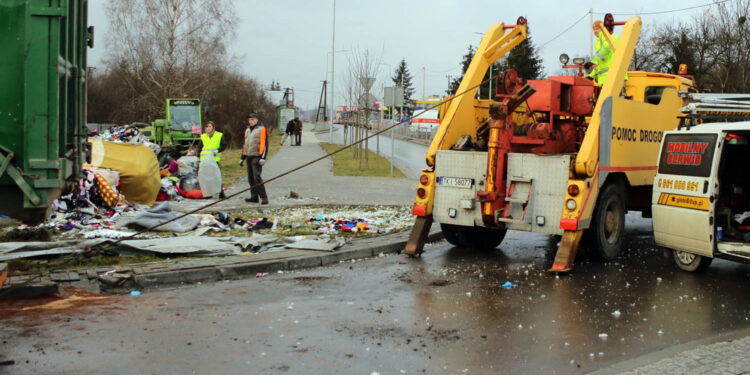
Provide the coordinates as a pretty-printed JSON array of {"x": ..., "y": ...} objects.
[{"x": 289, "y": 132}]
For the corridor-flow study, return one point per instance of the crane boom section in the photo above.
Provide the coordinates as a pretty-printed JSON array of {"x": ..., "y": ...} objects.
[
  {"x": 459, "y": 117},
  {"x": 588, "y": 155}
]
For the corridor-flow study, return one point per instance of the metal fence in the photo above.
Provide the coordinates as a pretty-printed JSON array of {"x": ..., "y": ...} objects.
[
  {"x": 408, "y": 131},
  {"x": 404, "y": 131}
]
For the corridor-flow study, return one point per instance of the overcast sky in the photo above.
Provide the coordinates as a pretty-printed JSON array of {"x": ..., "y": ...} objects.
[{"x": 288, "y": 40}]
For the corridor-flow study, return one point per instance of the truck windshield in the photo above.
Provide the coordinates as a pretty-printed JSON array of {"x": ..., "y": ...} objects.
[{"x": 182, "y": 117}]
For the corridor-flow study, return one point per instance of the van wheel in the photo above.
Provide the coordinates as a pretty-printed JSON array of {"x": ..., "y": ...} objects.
[
  {"x": 472, "y": 237},
  {"x": 691, "y": 262},
  {"x": 605, "y": 236}
]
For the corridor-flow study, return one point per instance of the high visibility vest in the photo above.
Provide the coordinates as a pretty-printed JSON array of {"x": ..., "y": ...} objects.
[
  {"x": 211, "y": 145},
  {"x": 602, "y": 57}
]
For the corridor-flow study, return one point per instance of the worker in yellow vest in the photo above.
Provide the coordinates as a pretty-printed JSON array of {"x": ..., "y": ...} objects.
[
  {"x": 604, "y": 52},
  {"x": 212, "y": 144}
]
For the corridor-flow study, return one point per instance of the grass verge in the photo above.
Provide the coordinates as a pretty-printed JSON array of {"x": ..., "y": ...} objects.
[{"x": 344, "y": 163}]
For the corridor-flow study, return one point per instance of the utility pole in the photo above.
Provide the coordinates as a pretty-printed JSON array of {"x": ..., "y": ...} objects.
[
  {"x": 424, "y": 83},
  {"x": 393, "y": 138},
  {"x": 490, "y": 93},
  {"x": 322, "y": 102},
  {"x": 333, "y": 74},
  {"x": 591, "y": 34}
]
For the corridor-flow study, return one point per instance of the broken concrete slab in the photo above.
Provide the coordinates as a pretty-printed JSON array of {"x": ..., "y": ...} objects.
[
  {"x": 317, "y": 245},
  {"x": 20, "y": 250},
  {"x": 189, "y": 245}
]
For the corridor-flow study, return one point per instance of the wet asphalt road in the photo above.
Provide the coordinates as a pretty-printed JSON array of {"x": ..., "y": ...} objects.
[{"x": 444, "y": 313}]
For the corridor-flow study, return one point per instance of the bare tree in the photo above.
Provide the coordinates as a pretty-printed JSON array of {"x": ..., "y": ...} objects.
[
  {"x": 167, "y": 48},
  {"x": 728, "y": 28},
  {"x": 363, "y": 66}
]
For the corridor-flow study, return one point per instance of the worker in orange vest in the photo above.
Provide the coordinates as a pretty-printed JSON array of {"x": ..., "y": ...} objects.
[{"x": 254, "y": 152}]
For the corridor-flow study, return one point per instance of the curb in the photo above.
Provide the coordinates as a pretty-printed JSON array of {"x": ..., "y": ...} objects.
[
  {"x": 251, "y": 269},
  {"x": 669, "y": 352}
]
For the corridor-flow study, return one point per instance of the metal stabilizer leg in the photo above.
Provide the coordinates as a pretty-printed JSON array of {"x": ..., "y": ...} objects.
[
  {"x": 418, "y": 236},
  {"x": 566, "y": 253}
]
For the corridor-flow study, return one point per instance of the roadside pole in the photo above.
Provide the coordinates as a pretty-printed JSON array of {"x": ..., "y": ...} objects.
[{"x": 333, "y": 73}]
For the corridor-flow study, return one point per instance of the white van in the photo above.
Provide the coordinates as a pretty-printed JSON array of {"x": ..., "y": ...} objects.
[
  {"x": 701, "y": 194},
  {"x": 426, "y": 122}
]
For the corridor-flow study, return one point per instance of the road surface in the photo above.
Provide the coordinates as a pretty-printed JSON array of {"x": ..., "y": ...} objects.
[
  {"x": 408, "y": 156},
  {"x": 444, "y": 313}
]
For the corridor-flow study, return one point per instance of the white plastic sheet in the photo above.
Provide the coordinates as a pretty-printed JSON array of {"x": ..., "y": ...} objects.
[{"x": 209, "y": 177}]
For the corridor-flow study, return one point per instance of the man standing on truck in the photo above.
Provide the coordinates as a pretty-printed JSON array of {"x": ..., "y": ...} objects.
[
  {"x": 212, "y": 144},
  {"x": 604, "y": 52},
  {"x": 254, "y": 153}
]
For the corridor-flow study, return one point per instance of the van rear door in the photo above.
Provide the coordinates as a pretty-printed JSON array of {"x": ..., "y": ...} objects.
[{"x": 684, "y": 192}]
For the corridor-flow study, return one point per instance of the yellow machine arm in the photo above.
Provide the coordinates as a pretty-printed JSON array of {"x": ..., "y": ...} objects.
[
  {"x": 587, "y": 160},
  {"x": 459, "y": 117}
]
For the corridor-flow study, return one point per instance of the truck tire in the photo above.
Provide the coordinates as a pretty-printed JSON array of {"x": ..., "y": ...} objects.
[
  {"x": 604, "y": 237},
  {"x": 472, "y": 237},
  {"x": 691, "y": 262}
]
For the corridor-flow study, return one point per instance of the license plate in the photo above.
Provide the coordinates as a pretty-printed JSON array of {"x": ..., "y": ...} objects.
[{"x": 459, "y": 182}]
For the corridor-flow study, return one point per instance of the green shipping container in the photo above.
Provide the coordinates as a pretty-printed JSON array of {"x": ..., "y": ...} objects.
[{"x": 42, "y": 102}]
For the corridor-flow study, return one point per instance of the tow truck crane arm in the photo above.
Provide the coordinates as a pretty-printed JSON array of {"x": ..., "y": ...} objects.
[
  {"x": 586, "y": 166},
  {"x": 459, "y": 117}
]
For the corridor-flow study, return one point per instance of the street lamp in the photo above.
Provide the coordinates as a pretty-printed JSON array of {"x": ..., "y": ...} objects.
[
  {"x": 333, "y": 72},
  {"x": 333, "y": 109}
]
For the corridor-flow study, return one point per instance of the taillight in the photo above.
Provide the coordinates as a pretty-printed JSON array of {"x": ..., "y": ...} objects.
[
  {"x": 573, "y": 190},
  {"x": 424, "y": 180},
  {"x": 421, "y": 192}
]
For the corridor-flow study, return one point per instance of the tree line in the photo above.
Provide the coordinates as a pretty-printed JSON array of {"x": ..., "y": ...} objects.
[
  {"x": 167, "y": 49},
  {"x": 714, "y": 45}
]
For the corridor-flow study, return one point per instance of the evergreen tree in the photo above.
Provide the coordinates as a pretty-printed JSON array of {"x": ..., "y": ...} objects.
[
  {"x": 401, "y": 77},
  {"x": 484, "y": 90},
  {"x": 454, "y": 82},
  {"x": 525, "y": 59}
]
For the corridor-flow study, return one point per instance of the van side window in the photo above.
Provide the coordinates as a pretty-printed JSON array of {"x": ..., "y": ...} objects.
[
  {"x": 687, "y": 154},
  {"x": 653, "y": 94}
]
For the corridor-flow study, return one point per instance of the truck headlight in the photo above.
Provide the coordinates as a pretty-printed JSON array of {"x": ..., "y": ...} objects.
[{"x": 570, "y": 204}]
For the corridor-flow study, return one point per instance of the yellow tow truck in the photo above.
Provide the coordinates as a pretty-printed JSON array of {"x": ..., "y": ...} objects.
[{"x": 562, "y": 156}]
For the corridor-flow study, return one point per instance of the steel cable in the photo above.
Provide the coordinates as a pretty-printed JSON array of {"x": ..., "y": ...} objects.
[{"x": 294, "y": 169}]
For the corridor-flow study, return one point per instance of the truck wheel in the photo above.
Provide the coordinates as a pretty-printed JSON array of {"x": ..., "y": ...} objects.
[
  {"x": 472, "y": 237},
  {"x": 691, "y": 262},
  {"x": 604, "y": 237}
]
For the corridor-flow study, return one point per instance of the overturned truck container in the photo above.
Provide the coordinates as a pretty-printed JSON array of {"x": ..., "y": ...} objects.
[{"x": 42, "y": 102}]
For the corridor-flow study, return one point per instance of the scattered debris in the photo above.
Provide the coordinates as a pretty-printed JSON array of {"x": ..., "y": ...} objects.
[{"x": 509, "y": 285}]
